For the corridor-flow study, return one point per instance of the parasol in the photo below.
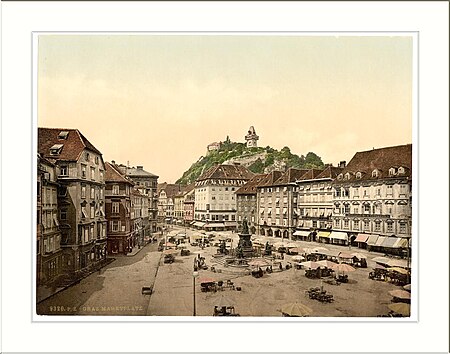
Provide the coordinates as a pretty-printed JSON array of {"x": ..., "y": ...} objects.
[
  {"x": 401, "y": 294},
  {"x": 296, "y": 309},
  {"x": 259, "y": 262},
  {"x": 398, "y": 270},
  {"x": 170, "y": 251},
  {"x": 326, "y": 263},
  {"x": 398, "y": 263},
  {"x": 343, "y": 267},
  {"x": 298, "y": 258},
  {"x": 310, "y": 265},
  {"x": 400, "y": 308}
]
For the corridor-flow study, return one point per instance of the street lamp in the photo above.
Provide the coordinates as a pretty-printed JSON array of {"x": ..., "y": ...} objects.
[{"x": 194, "y": 275}]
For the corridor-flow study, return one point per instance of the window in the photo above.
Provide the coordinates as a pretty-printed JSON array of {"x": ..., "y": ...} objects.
[
  {"x": 63, "y": 135},
  {"x": 366, "y": 208},
  {"x": 92, "y": 172},
  {"x": 96, "y": 159},
  {"x": 346, "y": 208},
  {"x": 92, "y": 212},
  {"x": 358, "y": 175},
  {"x": 115, "y": 224},
  {"x": 56, "y": 149},
  {"x": 374, "y": 173},
  {"x": 101, "y": 175},
  {"x": 63, "y": 214},
  {"x": 355, "y": 210},
  {"x": 356, "y": 192},
  {"x": 115, "y": 207},
  {"x": 83, "y": 171},
  {"x": 401, "y": 170},
  {"x": 340, "y": 176},
  {"x": 337, "y": 192},
  {"x": 389, "y": 190},
  {"x": 83, "y": 191},
  {"x": 355, "y": 225},
  {"x": 115, "y": 189},
  {"x": 402, "y": 228},
  {"x": 347, "y": 176},
  {"x": 92, "y": 192},
  {"x": 366, "y": 225},
  {"x": 64, "y": 171},
  {"x": 87, "y": 156},
  {"x": 345, "y": 224},
  {"x": 377, "y": 225},
  {"x": 365, "y": 192},
  {"x": 392, "y": 171},
  {"x": 101, "y": 193},
  {"x": 378, "y": 192},
  {"x": 389, "y": 226},
  {"x": 83, "y": 212},
  {"x": 336, "y": 223}
]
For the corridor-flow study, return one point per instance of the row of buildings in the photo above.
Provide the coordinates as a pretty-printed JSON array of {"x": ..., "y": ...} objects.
[
  {"x": 365, "y": 201},
  {"x": 87, "y": 208}
]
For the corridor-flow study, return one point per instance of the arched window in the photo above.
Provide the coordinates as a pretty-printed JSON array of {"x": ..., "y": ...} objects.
[
  {"x": 392, "y": 171},
  {"x": 401, "y": 170},
  {"x": 358, "y": 175},
  {"x": 375, "y": 173}
]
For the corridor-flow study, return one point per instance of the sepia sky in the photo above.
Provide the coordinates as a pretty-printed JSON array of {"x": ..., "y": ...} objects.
[{"x": 158, "y": 100}]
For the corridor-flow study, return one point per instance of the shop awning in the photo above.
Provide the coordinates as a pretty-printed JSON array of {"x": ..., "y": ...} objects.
[
  {"x": 361, "y": 238},
  {"x": 380, "y": 240},
  {"x": 193, "y": 222},
  {"x": 216, "y": 224},
  {"x": 401, "y": 243},
  {"x": 230, "y": 223},
  {"x": 372, "y": 240},
  {"x": 301, "y": 233},
  {"x": 324, "y": 234},
  {"x": 199, "y": 224},
  {"x": 389, "y": 242},
  {"x": 339, "y": 235}
]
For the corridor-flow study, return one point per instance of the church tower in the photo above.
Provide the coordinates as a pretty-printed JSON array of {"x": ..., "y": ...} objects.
[{"x": 251, "y": 138}]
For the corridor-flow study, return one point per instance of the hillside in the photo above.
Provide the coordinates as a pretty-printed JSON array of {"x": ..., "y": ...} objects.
[{"x": 257, "y": 160}]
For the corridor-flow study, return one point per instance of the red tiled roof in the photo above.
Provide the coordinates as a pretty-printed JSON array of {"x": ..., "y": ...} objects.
[
  {"x": 227, "y": 172},
  {"x": 290, "y": 176},
  {"x": 72, "y": 148},
  {"x": 270, "y": 178},
  {"x": 113, "y": 175},
  {"x": 382, "y": 160},
  {"x": 250, "y": 186},
  {"x": 330, "y": 172},
  {"x": 310, "y": 174},
  {"x": 171, "y": 189}
]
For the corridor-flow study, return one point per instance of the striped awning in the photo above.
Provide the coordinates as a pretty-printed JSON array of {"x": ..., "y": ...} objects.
[
  {"x": 301, "y": 233},
  {"x": 380, "y": 240},
  {"x": 324, "y": 234},
  {"x": 401, "y": 243},
  {"x": 199, "y": 224},
  {"x": 389, "y": 242},
  {"x": 361, "y": 238},
  {"x": 339, "y": 235},
  {"x": 216, "y": 224},
  {"x": 372, "y": 240}
]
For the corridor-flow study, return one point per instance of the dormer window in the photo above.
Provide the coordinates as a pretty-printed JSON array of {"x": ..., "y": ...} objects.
[
  {"x": 358, "y": 175},
  {"x": 392, "y": 171},
  {"x": 56, "y": 149},
  {"x": 340, "y": 176},
  {"x": 401, "y": 170},
  {"x": 347, "y": 176},
  {"x": 374, "y": 173},
  {"x": 63, "y": 135}
]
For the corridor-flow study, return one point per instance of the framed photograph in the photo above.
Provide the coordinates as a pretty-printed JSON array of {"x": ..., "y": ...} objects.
[{"x": 202, "y": 177}]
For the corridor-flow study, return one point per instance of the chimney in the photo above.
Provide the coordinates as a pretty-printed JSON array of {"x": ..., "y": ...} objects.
[
  {"x": 342, "y": 164},
  {"x": 113, "y": 162},
  {"x": 140, "y": 167}
]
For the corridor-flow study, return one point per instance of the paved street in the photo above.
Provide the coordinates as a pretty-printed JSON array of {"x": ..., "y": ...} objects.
[{"x": 116, "y": 290}]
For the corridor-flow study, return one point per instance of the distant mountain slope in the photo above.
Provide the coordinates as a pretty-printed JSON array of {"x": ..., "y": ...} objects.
[{"x": 257, "y": 160}]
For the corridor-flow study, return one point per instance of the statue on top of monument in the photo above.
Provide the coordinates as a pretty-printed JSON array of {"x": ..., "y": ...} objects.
[{"x": 245, "y": 227}]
